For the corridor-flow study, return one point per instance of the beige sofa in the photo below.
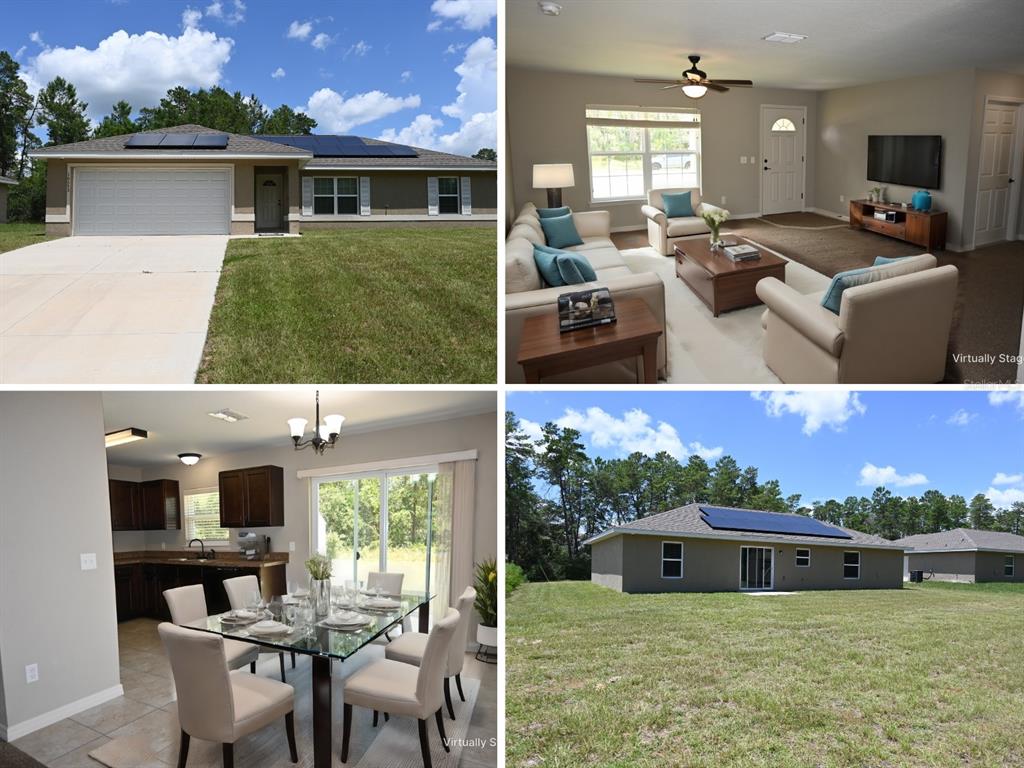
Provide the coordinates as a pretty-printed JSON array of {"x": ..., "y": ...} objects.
[
  {"x": 526, "y": 294},
  {"x": 662, "y": 231},
  {"x": 893, "y": 330}
]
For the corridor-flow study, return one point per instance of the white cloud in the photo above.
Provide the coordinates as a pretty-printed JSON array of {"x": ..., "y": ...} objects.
[
  {"x": 1002, "y": 478},
  {"x": 479, "y": 132},
  {"x": 321, "y": 41},
  {"x": 874, "y": 476},
  {"x": 216, "y": 11},
  {"x": 407, "y": 76},
  {"x": 190, "y": 18},
  {"x": 961, "y": 418},
  {"x": 832, "y": 408},
  {"x": 36, "y": 38},
  {"x": 454, "y": 48},
  {"x": 532, "y": 429},
  {"x": 468, "y": 14},
  {"x": 434, "y": 26},
  {"x": 706, "y": 453},
  {"x": 1004, "y": 498},
  {"x": 299, "y": 30},
  {"x": 137, "y": 68},
  {"x": 478, "y": 86},
  {"x": 358, "y": 49},
  {"x": 335, "y": 113},
  {"x": 278, "y": 73},
  {"x": 1008, "y": 397},
  {"x": 19, "y": 52}
]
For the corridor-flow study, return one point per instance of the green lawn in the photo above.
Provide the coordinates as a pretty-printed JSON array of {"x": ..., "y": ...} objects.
[
  {"x": 929, "y": 675},
  {"x": 19, "y": 234},
  {"x": 401, "y": 305}
]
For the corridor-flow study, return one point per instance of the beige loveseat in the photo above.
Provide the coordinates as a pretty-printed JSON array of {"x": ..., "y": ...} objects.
[
  {"x": 526, "y": 294},
  {"x": 662, "y": 231},
  {"x": 893, "y": 330}
]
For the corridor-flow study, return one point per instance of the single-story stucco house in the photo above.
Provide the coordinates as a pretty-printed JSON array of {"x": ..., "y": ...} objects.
[
  {"x": 965, "y": 554},
  {"x": 193, "y": 180},
  {"x": 5, "y": 185},
  {"x": 704, "y": 548}
]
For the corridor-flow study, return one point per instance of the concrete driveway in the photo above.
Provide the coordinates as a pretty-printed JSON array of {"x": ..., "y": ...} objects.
[{"x": 107, "y": 310}]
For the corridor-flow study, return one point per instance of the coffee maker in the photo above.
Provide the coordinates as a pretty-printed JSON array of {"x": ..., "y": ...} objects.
[{"x": 253, "y": 546}]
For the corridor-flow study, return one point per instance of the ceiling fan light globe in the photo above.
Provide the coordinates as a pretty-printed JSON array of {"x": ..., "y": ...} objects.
[{"x": 695, "y": 91}]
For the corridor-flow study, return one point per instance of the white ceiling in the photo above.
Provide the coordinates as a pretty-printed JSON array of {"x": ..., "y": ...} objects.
[
  {"x": 848, "y": 42},
  {"x": 178, "y": 421}
]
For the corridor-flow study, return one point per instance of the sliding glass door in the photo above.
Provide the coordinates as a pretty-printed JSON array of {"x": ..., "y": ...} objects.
[{"x": 756, "y": 568}]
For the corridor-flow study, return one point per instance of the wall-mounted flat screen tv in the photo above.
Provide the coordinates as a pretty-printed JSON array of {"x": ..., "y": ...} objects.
[{"x": 912, "y": 161}]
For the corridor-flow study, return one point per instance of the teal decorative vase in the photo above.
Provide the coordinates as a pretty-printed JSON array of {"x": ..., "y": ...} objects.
[{"x": 922, "y": 200}]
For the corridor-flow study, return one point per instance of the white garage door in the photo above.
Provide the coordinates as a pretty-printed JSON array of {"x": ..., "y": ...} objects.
[{"x": 120, "y": 201}]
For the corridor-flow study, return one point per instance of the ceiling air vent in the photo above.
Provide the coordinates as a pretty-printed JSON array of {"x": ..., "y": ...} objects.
[
  {"x": 228, "y": 415},
  {"x": 783, "y": 37}
]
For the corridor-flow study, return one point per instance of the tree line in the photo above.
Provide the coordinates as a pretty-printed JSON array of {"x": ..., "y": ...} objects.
[{"x": 544, "y": 533}]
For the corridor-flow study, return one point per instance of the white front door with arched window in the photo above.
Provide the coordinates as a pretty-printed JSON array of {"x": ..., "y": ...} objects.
[{"x": 782, "y": 158}]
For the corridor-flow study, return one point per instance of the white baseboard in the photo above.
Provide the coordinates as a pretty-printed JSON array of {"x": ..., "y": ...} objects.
[
  {"x": 829, "y": 214},
  {"x": 24, "y": 728}
]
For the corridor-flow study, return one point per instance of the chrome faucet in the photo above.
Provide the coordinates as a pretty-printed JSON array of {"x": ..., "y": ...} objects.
[{"x": 202, "y": 555}]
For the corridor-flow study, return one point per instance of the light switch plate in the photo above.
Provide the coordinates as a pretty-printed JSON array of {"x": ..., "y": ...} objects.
[
  {"x": 89, "y": 561},
  {"x": 723, "y": 199},
  {"x": 291, "y": 546},
  {"x": 32, "y": 673},
  {"x": 743, "y": 159},
  {"x": 842, "y": 199},
  {"x": 752, "y": 160}
]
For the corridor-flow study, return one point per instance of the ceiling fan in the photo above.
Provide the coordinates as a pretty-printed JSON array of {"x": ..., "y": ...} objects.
[{"x": 695, "y": 82}]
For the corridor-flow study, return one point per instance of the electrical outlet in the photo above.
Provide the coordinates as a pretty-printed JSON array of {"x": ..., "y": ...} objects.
[
  {"x": 89, "y": 561},
  {"x": 743, "y": 159},
  {"x": 32, "y": 673},
  {"x": 163, "y": 545},
  {"x": 291, "y": 546},
  {"x": 752, "y": 160},
  {"x": 723, "y": 199},
  {"x": 842, "y": 199}
]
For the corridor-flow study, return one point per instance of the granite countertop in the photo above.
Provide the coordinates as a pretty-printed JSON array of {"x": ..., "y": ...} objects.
[{"x": 184, "y": 557}]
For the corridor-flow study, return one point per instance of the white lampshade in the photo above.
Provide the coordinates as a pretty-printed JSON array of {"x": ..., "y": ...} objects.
[
  {"x": 553, "y": 176},
  {"x": 695, "y": 91},
  {"x": 334, "y": 422},
  {"x": 325, "y": 433},
  {"x": 297, "y": 427}
]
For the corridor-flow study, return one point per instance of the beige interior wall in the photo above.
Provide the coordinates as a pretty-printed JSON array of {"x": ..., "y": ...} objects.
[
  {"x": 934, "y": 104},
  {"x": 510, "y": 192},
  {"x": 54, "y": 508},
  {"x": 546, "y": 124}
]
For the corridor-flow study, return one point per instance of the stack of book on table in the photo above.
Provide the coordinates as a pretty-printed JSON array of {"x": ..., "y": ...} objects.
[{"x": 741, "y": 252}]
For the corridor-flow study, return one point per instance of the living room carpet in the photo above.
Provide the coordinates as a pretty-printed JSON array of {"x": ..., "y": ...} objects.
[{"x": 800, "y": 220}]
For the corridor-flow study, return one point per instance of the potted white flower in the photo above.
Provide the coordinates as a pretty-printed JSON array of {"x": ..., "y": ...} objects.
[{"x": 714, "y": 218}]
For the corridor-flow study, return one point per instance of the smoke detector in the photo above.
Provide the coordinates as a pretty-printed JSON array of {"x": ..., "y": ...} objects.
[
  {"x": 783, "y": 37},
  {"x": 549, "y": 8},
  {"x": 228, "y": 415}
]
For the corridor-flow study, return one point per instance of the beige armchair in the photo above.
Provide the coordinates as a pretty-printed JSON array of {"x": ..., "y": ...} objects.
[
  {"x": 410, "y": 647},
  {"x": 893, "y": 330},
  {"x": 662, "y": 231},
  {"x": 402, "y": 689},
  {"x": 188, "y": 604},
  {"x": 217, "y": 705}
]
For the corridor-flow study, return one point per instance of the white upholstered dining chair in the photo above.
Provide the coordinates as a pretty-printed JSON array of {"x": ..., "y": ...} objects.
[
  {"x": 402, "y": 689},
  {"x": 188, "y": 604},
  {"x": 390, "y": 586},
  {"x": 240, "y": 591},
  {"x": 410, "y": 648},
  {"x": 215, "y": 704}
]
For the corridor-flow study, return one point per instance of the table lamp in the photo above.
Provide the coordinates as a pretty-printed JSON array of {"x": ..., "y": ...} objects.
[{"x": 552, "y": 177}]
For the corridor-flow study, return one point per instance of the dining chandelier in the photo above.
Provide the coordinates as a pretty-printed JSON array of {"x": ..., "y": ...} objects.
[{"x": 325, "y": 435}]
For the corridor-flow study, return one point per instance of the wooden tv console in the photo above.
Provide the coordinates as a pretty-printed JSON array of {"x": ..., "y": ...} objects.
[{"x": 924, "y": 228}]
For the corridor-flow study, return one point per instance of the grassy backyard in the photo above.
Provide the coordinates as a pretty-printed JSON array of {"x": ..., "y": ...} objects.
[
  {"x": 930, "y": 675},
  {"x": 356, "y": 305},
  {"x": 19, "y": 234}
]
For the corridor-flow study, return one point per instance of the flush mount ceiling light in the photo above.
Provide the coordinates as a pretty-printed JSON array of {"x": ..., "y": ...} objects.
[
  {"x": 783, "y": 37},
  {"x": 122, "y": 436},
  {"x": 189, "y": 459},
  {"x": 324, "y": 435},
  {"x": 548, "y": 8},
  {"x": 226, "y": 414}
]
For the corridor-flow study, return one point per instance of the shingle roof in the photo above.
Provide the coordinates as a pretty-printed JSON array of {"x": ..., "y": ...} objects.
[
  {"x": 237, "y": 144},
  {"x": 425, "y": 158},
  {"x": 964, "y": 538},
  {"x": 688, "y": 521}
]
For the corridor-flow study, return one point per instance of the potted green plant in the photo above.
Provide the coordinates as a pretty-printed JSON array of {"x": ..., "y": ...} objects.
[
  {"x": 486, "y": 603},
  {"x": 319, "y": 568}
]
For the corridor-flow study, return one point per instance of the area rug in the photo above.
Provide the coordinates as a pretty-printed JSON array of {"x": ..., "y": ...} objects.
[
  {"x": 800, "y": 220},
  {"x": 12, "y": 757},
  {"x": 398, "y": 743},
  {"x": 126, "y": 752}
]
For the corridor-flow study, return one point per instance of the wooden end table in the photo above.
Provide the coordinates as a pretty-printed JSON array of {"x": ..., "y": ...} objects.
[
  {"x": 545, "y": 351},
  {"x": 721, "y": 283}
]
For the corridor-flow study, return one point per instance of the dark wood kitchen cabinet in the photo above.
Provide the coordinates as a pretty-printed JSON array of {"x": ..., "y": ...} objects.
[
  {"x": 125, "y": 505},
  {"x": 150, "y": 506},
  {"x": 252, "y": 497},
  {"x": 126, "y": 591}
]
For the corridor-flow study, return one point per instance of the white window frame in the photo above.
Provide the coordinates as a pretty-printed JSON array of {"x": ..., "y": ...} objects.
[
  {"x": 645, "y": 151},
  {"x": 743, "y": 558},
  {"x": 1008, "y": 562},
  {"x": 189, "y": 532},
  {"x": 334, "y": 195},
  {"x": 851, "y": 565},
  {"x": 672, "y": 559},
  {"x": 457, "y": 194},
  {"x": 798, "y": 558}
]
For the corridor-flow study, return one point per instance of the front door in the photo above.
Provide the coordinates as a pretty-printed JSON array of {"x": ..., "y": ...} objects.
[
  {"x": 756, "y": 568},
  {"x": 268, "y": 201},
  {"x": 782, "y": 155},
  {"x": 995, "y": 173}
]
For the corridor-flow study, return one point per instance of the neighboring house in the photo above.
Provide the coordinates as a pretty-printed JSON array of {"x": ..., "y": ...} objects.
[
  {"x": 965, "y": 554},
  {"x": 5, "y": 184},
  {"x": 193, "y": 180},
  {"x": 703, "y": 548}
]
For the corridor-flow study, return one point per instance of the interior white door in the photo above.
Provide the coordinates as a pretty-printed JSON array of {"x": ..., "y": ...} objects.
[
  {"x": 782, "y": 155},
  {"x": 999, "y": 131},
  {"x": 268, "y": 201},
  {"x": 123, "y": 201}
]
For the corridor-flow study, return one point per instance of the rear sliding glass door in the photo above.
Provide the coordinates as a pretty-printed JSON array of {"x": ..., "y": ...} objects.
[{"x": 755, "y": 567}]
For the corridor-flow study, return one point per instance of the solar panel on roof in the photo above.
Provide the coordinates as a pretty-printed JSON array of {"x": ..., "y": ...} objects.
[
  {"x": 721, "y": 518},
  {"x": 178, "y": 140},
  {"x": 147, "y": 140},
  {"x": 211, "y": 141}
]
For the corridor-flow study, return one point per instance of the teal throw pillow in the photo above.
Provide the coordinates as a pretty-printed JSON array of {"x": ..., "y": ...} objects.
[
  {"x": 677, "y": 204},
  {"x": 546, "y": 264},
  {"x": 833, "y": 298},
  {"x": 549, "y": 213},
  {"x": 564, "y": 267},
  {"x": 560, "y": 231},
  {"x": 880, "y": 260}
]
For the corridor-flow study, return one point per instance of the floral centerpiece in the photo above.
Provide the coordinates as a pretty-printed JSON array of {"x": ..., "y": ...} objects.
[
  {"x": 319, "y": 568},
  {"x": 714, "y": 217}
]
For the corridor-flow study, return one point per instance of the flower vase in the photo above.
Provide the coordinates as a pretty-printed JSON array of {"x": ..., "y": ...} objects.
[
  {"x": 320, "y": 596},
  {"x": 714, "y": 235}
]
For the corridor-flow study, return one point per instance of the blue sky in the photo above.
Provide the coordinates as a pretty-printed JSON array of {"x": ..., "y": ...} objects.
[
  {"x": 821, "y": 444},
  {"x": 414, "y": 71}
]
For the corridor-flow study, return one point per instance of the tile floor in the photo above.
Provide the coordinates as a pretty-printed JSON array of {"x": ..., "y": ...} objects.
[{"x": 148, "y": 710}]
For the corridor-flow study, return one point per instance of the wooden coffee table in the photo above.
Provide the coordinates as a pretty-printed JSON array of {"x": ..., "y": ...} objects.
[
  {"x": 545, "y": 351},
  {"x": 721, "y": 283}
]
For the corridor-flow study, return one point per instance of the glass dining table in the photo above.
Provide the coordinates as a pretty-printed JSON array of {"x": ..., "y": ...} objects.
[{"x": 323, "y": 644}]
